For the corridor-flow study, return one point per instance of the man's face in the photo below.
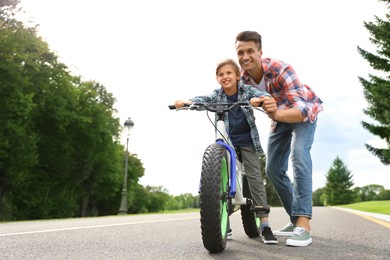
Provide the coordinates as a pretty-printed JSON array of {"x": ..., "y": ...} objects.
[{"x": 248, "y": 55}]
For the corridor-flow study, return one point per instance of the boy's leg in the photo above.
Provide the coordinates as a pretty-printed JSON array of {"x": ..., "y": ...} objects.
[{"x": 252, "y": 168}]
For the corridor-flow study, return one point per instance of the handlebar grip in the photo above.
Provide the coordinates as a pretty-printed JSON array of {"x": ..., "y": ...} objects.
[{"x": 171, "y": 107}]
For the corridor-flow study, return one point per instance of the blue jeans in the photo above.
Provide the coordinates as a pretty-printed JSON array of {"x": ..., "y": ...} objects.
[{"x": 296, "y": 139}]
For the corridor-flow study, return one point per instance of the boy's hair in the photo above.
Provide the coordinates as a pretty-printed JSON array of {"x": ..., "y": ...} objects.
[
  {"x": 226, "y": 62},
  {"x": 247, "y": 36}
]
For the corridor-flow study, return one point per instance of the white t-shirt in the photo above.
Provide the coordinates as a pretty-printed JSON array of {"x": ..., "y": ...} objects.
[{"x": 260, "y": 86}]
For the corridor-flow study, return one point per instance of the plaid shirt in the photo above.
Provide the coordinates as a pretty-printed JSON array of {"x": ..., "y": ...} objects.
[
  {"x": 283, "y": 84},
  {"x": 245, "y": 93}
]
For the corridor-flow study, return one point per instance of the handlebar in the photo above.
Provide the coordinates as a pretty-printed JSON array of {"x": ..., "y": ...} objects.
[{"x": 216, "y": 107}]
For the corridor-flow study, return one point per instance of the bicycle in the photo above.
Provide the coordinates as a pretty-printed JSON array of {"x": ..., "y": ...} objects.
[{"x": 223, "y": 187}]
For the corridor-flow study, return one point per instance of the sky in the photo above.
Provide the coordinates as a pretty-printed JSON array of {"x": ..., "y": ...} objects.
[{"x": 150, "y": 53}]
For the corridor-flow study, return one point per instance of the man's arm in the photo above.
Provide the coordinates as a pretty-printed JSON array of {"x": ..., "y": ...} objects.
[{"x": 291, "y": 115}]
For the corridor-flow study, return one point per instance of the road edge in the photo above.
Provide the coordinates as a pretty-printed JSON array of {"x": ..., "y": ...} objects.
[{"x": 381, "y": 219}]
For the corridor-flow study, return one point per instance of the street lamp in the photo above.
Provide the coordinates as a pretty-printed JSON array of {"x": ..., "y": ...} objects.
[{"x": 128, "y": 126}]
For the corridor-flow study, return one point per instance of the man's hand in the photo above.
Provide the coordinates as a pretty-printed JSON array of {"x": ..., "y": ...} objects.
[
  {"x": 267, "y": 103},
  {"x": 291, "y": 115}
]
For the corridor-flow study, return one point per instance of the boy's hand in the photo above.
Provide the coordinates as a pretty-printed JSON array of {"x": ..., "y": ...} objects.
[
  {"x": 255, "y": 102},
  {"x": 181, "y": 103}
]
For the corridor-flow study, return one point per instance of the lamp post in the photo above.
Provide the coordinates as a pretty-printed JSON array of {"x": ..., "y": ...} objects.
[{"x": 128, "y": 126}]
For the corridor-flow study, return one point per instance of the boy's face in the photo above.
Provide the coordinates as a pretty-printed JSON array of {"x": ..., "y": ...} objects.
[
  {"x": 227, "y": 77},
  {"x": 248, "y": 55}
]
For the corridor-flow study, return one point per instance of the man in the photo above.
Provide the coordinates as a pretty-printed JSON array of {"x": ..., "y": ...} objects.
[{"x": 293, "y": 109}]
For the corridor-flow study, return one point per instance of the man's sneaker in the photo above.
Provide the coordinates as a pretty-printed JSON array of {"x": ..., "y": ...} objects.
[
  {"x": 229, "y": 234},
  {"x": 300, "y": 238},
  {"x": 286, "y": 231},
  {"x": 268, "y": 237}
]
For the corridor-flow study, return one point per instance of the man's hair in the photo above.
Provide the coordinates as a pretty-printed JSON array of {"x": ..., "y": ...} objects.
[
  {"x": 247, "y": 36},
  {"x": 226, "y": 62}
]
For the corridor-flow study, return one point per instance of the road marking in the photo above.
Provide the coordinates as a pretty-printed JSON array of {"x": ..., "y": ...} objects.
[
  {"x": 378, "y": 221},
  {"x": 363, "y": 215},
  {"x": 95, "y": 226}
]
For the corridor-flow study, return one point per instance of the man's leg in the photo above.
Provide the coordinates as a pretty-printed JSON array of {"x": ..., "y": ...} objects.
[
  {"x": 303, "y": 137},
  {"x": 302, "y": 140}
]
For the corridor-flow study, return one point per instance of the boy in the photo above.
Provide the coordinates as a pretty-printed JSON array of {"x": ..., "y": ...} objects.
[{"x": 242, "y": 130}]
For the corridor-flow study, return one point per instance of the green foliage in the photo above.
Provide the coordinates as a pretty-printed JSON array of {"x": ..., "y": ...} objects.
[
  {"x": 338, "y": 186},
  {"x": 318, "y": 198},
  {"x": 156, "y": 199},
  {"x": 368, "y": 193},
  {"x": 182, "y": 201},
  {"x": 376, "y": 88},
  {"x": 59, "y": 150}
]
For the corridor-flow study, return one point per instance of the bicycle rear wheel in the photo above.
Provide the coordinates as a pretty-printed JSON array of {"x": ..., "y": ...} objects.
[
  {"x": 214, "y": 188},
  {"x": 250, "y": 222}
]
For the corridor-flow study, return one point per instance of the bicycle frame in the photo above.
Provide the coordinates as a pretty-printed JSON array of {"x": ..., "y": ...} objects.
[{"x": 236, "y": 169}]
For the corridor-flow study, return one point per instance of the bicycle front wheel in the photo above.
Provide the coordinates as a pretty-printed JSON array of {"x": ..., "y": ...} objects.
[{"x": 214, "y": 188}]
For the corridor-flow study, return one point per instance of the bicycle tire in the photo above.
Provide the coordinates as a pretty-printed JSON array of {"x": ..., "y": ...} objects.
[
  {"x": 214, "y": 206},
  {"x": 250, "y": 222}
]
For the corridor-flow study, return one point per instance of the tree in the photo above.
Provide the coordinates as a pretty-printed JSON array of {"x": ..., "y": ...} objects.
[
  {"x": 371, "y": 192},
  {"x": 339, "y": 182},
  {"x": 9, "y": 3},
  {"x": 318, "y": 198},
  {"x": 384, "y": 195},
  {"x": 60, "y": 154},
  {"x": 376, "y": 88}
]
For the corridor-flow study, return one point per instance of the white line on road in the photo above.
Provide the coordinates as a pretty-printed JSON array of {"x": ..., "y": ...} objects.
[{"x": 96, "y": 226}]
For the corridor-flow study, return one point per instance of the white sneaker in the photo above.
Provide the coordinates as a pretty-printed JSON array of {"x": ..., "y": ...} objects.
[
  {"x": 286, "y": 231},
  {"x": 300, "y": 238}
]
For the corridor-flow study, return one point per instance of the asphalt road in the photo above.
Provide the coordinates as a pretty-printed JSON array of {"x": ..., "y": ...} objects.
[{"x": 336, "y": 234}]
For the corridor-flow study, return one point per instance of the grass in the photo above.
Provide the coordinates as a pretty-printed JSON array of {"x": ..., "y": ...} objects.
[{"x": 382, "y": 206}]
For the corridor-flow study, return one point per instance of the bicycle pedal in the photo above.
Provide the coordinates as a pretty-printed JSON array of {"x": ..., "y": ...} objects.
[{"x": 260, "y": 209}]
